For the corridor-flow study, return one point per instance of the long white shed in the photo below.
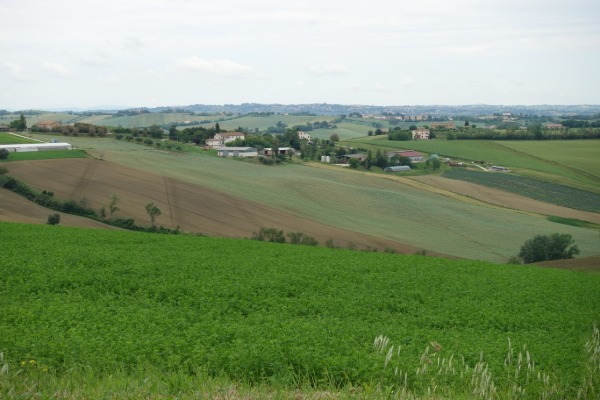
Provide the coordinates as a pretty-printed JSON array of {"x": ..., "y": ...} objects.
[{"x": 18, "y": 148}]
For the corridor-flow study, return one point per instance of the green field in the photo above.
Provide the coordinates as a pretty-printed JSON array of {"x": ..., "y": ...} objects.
[
  {"x": 288, "y": 315},
  {"x": 568, "y": 162},
  {"x": 6, "y": 138},
  {"x": 45, "y": 155},
  {"x": 354, "y": 201},
  {"x": 535, "y": 189}
]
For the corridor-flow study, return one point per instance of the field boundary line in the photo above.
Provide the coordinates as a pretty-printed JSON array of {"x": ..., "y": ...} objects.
[{"x": 168, "y": 201}]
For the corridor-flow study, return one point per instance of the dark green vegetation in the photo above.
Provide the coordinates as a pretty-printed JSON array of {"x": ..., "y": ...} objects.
[
  {"x": 261, "y": 312},
  {"x": 548, "y": 247},
  {"x": 45, "y": 155},
  {"x": 533, "y": 188}
]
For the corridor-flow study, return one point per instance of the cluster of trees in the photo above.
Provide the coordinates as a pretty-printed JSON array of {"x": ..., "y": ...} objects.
[
  {"x": 153, "y": 131},
  {"x": 275, "y": 235},
  {"x": 556, "y": 246},
  {"x": 574, "y": 123},
  {"x": 309, "y": 126},
  {"x": 18, "y": 124},
  {"x": 131, "y": 112},
  {"x": 533, "y": 132}
]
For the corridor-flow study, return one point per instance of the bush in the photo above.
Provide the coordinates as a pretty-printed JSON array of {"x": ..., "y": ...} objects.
[
  {"x": 53, "y": 219},
  {"x": 544, "y": 248},
  {"x": 269, "y": 235},
  {"x": 4, "y": 154}
]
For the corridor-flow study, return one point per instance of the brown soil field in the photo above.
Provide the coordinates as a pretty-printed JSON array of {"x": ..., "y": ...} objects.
[
  {"x": 587, "y": 264},
  {"x": 506, "y": 199},
  {"x": 192, "y": 207},
  {"x": 15, "y": 208}
]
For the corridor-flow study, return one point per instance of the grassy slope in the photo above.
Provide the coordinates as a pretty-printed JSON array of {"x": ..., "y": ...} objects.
[
  {"x": 6, "y": 138},
  {"x": 354, "y": 201},
  {"x": 45, "y": 155},
  {"x": 280, "y": 312}
]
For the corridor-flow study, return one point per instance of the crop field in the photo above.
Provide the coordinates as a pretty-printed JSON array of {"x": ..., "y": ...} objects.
[
  {"x": 521, "y": 157},
  {"x": 281, "y": 313},
  {"x": 262, "y": 122},
  {"x": 381, "y": 207},
  {"x": 6, "y": 138},
  {"x": 144, "y": 120},
  {"x": 539, "y": 190},
  {"x": 45, "y": 155}
]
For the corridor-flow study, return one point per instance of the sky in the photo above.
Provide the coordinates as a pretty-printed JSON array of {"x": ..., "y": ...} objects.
[{"x": 86, "y": 54}]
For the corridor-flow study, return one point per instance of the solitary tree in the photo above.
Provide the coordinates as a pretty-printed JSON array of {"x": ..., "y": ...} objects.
[
  {"x": 152, "y": 211},
  {"x": 112, "y": 206},
  {"x": 543, "y": 247},
  {"x": 334, "y": 137}
]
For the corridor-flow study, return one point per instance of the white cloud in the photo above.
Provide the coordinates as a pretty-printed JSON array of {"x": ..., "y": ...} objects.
[
  {"x": 219, "y": 67},
  {"x": 328, "y": 69},
  {"x": 407, "y": 81},
  {"x": 16, "y": 72},
  {"x": 468, "y": 50},
  {"x": 111, "y": 79},
  {"x": 57, "y": 70},
  {"x": 132, "y": 43}
]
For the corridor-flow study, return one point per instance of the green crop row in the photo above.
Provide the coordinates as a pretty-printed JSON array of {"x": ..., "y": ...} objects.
[
  {"x": 533, "y": 188},
  {"x": 261, "y": 312}
]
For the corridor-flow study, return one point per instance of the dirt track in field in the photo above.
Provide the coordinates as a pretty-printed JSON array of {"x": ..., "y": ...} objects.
[
  {"x": 191, "y": 207},
  {"x": 505, "y": 199}
]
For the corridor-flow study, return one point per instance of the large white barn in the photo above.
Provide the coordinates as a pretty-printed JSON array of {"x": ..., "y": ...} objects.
[{"x": 19, "y": 148}]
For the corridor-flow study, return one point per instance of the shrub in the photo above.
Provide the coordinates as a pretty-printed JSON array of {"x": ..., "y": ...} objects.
[
  {"x": 4, "y": 154},
  {"x": 269, "y": 235},
  {"x": 53, "y": 219}
]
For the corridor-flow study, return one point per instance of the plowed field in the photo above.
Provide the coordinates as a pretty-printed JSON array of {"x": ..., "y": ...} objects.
[{"x": 191, "y": 207}]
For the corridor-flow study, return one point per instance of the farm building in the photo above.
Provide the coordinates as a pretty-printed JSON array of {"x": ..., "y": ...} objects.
[
  {"x": 414, "y": 156},
  {"x": 19, "y": 148},
  {"x": 237, "y": 152},
  {"x": 554, "y": 126},
  {"x": 443, "y": 125},
  {"x": 267, "y": 152},
  {"x": 360, "y": 157},
  {"x": 397, "y": 168}
]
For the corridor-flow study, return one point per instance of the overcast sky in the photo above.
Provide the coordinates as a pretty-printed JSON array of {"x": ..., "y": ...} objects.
[{"x": 78, "y": 53}]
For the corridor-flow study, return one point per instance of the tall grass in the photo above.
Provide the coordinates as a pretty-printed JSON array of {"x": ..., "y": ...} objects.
[{"x": 443, "y": 375}]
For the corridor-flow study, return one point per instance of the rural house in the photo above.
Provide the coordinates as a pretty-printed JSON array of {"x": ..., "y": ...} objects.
[
  {"x": 224, "y": 137},
  {"x": 420, "y": 134},
  {"x": 554, "y": 126},
  {"x": 48, "y": 125},
  {"x": 443, "y": 125},
  {"x": 304, "y": 136}
]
